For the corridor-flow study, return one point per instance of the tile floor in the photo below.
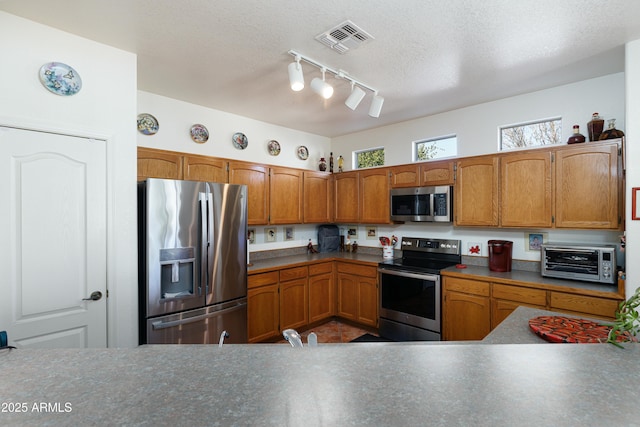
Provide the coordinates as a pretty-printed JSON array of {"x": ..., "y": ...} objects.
[{"x": 333, "y": 332}]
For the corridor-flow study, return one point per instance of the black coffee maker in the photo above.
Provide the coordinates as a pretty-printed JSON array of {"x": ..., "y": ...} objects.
[{"x": 500, "y": 255}]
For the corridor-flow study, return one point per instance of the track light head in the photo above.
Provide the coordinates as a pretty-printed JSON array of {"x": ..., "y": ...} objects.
[
  {"x": 376, "y": 105},
  {"x": 296, "y": 79},
  {"x": 356, "y": 96},
  {"x": 321, "y": 87}
]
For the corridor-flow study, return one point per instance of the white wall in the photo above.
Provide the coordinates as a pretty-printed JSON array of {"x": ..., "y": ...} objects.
[
  {"x": 632, "y": 72},
  {"x": 176, "y": 118},
  {"x": 105, "y": 107},
  {"x": 477, "y": 130}
]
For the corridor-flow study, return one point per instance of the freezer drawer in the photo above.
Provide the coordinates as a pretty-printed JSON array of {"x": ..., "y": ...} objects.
[{"x": 201, "y": 326}]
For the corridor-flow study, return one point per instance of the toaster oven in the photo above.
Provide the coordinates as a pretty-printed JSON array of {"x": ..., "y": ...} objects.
[{"x": 592, "y": 263}]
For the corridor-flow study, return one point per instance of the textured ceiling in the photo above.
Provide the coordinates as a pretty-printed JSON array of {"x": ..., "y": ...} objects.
[{"x": 427, "y": 56}]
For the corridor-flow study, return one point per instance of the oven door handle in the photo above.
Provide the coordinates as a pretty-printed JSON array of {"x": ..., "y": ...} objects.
[{"x": 427, "y": 276}]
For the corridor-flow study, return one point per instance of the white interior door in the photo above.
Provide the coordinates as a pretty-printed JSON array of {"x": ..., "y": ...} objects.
[{"x": 52, "y": 239}]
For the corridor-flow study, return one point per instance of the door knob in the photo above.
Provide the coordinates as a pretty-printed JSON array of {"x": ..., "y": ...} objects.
[{"x": 95, "y": 296}]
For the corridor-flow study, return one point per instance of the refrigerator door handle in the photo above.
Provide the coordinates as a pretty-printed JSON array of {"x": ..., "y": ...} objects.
[
  {"x": 164, "y": 325},
  {"x": 210, "y": 240},
  {"x": 203, "y": 198}
]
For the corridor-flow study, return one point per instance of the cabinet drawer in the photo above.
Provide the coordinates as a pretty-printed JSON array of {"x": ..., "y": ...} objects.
[
  {"x": 257, "y": 280},
  {"x": 293, "y": 273},
  {"x": 467, "y": 286},
  {"x": 358, "y": 270},
  {"x": 584, "y": 304},
  {"x": 520, "y": 294},
  {"x": 325, "y": 267}
]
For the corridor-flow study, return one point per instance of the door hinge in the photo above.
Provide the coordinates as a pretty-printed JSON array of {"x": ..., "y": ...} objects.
[
  {"x": 553, "y": 219},
  {"x": 553, "y": 157},
  {"x": 107, "y": 293},
  {"x": 455, "y": 170}
]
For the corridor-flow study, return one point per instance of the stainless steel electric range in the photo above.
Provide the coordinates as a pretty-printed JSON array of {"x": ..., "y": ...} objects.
[{"x": 410, "y": 289}]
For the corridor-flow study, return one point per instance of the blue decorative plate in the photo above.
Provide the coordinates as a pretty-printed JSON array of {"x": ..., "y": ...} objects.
[
  {"x": 60, "y": 79},
  {"x": 147, "y": 124}
]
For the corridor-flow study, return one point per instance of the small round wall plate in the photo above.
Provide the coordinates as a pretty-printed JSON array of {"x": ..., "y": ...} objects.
[
  {"x": 240, "y": 140},
  {"x": 147, "y": 124},
  {"x": 303, "y": 152},
  {"x": 60, "y": 78},
  {"x": 199, "y": 133},
  {"x": 274, "y": 147}
]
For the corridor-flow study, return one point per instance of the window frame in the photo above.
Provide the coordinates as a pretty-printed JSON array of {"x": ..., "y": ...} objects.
[
  {"x": 355, "y": 153},
  {"x": 502, "y": 128},
  {"x": 415, "y": 144}
]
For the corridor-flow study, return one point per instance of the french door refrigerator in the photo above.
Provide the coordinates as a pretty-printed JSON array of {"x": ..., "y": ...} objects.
[{"x": 192, "y": 262}]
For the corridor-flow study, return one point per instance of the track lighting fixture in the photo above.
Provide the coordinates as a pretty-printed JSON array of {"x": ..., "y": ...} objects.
[
  {"x": 356, "y": 96},
  {"x": 321, "y": 87},
  {"x": 376, "y": 105},
  {"x": 324, "y": 89},
  {"x": 296, "y": 79}
]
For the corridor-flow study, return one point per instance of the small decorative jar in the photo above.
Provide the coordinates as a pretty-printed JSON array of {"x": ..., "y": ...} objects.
[
  {"x": 577, "y": 137},
  {"x": 595, "y": 127},
  {"x": 322, "y": 165},
  {"x": 611, "y": 132}
]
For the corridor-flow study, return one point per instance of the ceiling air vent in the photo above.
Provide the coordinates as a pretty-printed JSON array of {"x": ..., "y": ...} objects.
[{"x": 344, "y": 37}]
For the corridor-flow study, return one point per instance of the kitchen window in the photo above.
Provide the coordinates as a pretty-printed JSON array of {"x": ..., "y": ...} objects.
[
  {"x": 368, "y": 158},
  {"x": 435, "y": 148},
  {"x": 531, "y": 134}
]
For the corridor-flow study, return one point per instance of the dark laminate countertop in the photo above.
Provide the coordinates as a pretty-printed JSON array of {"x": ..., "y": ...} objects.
[{"x": 259, "y": 266}]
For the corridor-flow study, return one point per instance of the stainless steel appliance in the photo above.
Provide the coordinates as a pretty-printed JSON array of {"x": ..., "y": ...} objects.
[
  {"x": 192, "y": 262},
  {"x": 422, "y": 204},
  {"x": 592, "y": 263},
  {"x": 410, "y": 289}
]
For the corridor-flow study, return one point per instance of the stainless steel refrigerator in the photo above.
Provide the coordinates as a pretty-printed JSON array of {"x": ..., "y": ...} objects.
[{"x": 192, "y": 262}]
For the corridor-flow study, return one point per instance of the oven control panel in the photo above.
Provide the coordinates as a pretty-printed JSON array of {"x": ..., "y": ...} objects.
[{"x": 421, "y": 244}]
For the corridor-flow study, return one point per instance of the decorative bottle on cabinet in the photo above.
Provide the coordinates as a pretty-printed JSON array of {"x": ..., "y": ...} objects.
[
  {"x": 577, "y": 137},
  {"x": 595, "y": 127},
  {"x": 322, "y": 165},
  {"x": 331, "y": 162},
  {"x": 611, "y": 132}
]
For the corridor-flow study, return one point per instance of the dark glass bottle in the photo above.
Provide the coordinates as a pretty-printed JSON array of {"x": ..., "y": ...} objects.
[
  {"x": 577, "y": 137},
  {"x": 331, "y": 162},
  {"x": 322, "y": 165},
  {"x": 595, "y": 127},
  {"x": 611, "y": 132}
]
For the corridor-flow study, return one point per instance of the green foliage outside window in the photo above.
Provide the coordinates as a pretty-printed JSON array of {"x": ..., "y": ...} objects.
[{"x": 370, "y": 158}]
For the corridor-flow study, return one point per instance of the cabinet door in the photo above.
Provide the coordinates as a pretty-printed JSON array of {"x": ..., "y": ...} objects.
[
  {"x": 159, "y": 164},
  {"x": 348, "y": 296},
  {"x": 466, "y": 317},
  {"x": 501, "y": 309},
  {"x": 346, "y": 197},
  {"x": 256, "y": 178},
  {"x": 476, "y": 191},
  {"x": 405, "y": 176},
  {"x": 374, "y": 196},
  {"x": 367, "y": 301},
  {"x": 586, "y": 187},
  {"x": 525, "y": 190},
  {"x": 294, "y": 311},
  {"x": 285, "y": 192},
  {"x": 437, "y": 173},
  {"x": 318, "y": 197},
  {"x": 321, "y": 297},
  {"x": 202, "y": 168},
  {"x": 263, "y": 310},
  {"x": 582, "y": 304}
]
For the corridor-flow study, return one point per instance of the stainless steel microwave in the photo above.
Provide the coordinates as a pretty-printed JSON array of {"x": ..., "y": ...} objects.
[
  {"x": 592, "y": 263},
  {"x": 422, "y": 204}
]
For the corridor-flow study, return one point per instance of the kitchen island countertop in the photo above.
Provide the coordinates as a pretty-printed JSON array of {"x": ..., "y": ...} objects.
[{"x": 369, "y": 384}]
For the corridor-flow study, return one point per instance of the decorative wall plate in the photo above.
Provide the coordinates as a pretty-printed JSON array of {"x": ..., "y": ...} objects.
[
  {"x": 274, "y": 147},
  {"x": 303, "y": 152},
  {"x": 199, "y": 134},
  {"x": 240, "y": 141},
  {"x": 60, "y": 79},
  {"x": 147, "y": 124}
]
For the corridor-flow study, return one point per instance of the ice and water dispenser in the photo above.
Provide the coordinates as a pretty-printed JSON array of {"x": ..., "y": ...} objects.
[
  {"x": 177, "y": 276},
  {"x": 500, "y": 255}
]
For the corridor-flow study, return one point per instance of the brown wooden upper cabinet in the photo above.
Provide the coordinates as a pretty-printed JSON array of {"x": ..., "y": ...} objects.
[
  {"x": 374, "y": 196},
  {"x": 405, "y": 175},
  {"x": 346, "y": 197},
  {"x": 204, "y": 168},
  {"x": 318, "y": 197},
  {"x": 476, "y": 191},
  {"x": 525, "y": 190},
  {"x": 285, "y": 196},
  {"x": 588, "y": 186},
  {"x": 438, "y": 172},
  {"x": 154, "y": 163},
  {"x": 256, "y": 178}
]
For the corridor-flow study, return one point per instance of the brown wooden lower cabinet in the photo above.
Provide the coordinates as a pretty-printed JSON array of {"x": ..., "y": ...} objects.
[
  {"x": 263, "y": 313},
  {"x": 358, "y": 293},
  {"x": 321, "y": 292},
  {"x": 473, "y": 307}
]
